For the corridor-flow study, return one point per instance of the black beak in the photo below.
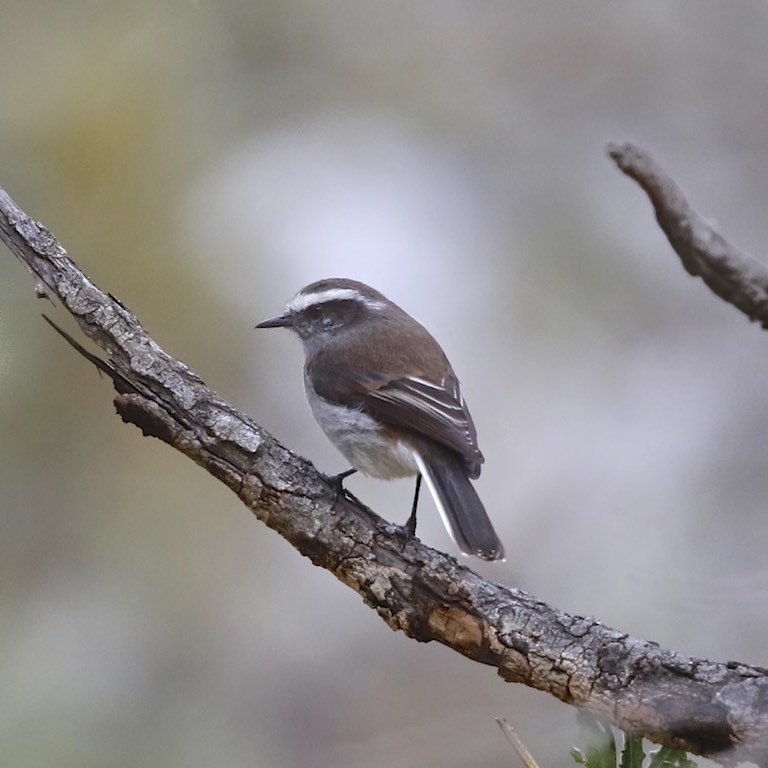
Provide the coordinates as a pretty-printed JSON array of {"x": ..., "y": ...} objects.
[{"x": 275, "y": 322}]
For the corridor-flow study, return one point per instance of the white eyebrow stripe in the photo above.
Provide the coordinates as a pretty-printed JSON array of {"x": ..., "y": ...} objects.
[{"x": 302, "y": 301}]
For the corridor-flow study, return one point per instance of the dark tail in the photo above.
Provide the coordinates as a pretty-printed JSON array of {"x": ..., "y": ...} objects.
[{"x": 459, "y": 505}]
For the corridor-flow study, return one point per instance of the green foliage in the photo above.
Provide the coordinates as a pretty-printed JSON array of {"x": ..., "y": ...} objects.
[{"x": 602, "y": 750}]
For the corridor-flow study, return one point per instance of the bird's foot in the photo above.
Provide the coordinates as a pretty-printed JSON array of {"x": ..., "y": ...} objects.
[{"x": 337, "y": 483}]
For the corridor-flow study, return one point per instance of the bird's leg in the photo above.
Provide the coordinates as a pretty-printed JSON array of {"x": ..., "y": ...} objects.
[
  {"x": 410, "y": 523},
  {"x": 337, "y": 481}
]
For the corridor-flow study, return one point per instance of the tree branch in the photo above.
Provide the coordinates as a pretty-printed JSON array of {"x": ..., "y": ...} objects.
[
  {"x": 708, "y": 708},
  {"x": 732, "y": 274}
]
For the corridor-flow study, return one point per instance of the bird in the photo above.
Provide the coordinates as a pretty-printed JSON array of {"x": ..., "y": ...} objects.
[{"x": 383, "y": 392}]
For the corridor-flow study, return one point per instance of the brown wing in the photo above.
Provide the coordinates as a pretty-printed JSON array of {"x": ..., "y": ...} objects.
[
  {"x": 420, "y": 393},
  {"x": 420, "y": 406},
  {"x": 434, "y": 410}
]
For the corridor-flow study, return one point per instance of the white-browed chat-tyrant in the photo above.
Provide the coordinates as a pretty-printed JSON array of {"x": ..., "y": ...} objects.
[{"x": 384, "y": 393}]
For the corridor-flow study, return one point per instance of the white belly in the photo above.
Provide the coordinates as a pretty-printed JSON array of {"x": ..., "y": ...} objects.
[{"x": 362, "y": 442}]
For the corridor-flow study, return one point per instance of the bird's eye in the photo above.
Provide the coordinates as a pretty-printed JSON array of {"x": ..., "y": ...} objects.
[{"x": 314, "y": 312}]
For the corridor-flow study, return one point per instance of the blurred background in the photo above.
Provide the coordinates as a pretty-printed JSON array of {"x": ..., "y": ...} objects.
[{"x": 203, "y": 161}]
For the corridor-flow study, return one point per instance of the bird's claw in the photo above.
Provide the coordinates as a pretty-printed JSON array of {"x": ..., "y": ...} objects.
[{"x": 337, "y": 483}]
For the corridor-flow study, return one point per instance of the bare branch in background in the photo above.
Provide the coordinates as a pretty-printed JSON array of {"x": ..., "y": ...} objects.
[
  {"x": 714, "y": 709},
  {"x": 732, "y": 274}
]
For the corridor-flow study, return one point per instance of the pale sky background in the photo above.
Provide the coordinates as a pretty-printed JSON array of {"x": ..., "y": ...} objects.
[{"x": 203, "y": 161}]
